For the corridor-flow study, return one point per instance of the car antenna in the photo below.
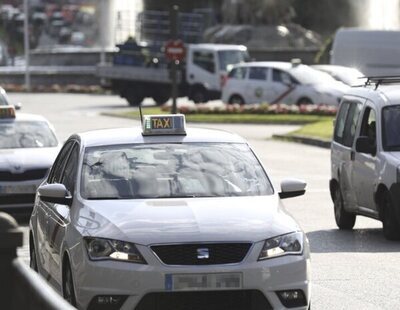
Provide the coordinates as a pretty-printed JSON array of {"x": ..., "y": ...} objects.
[{"x": 141, "y": 114}]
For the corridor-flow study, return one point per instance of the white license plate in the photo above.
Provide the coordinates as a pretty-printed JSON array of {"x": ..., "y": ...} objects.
[
  {"x": 209, "y": 281},
  {"x": 17, "y": 189}
]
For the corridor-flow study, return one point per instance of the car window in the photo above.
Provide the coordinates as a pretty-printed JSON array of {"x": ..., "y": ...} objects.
[
  {"x": 258, "y": 73},
  {"x": 368, "y": 125},
  {"x": 391, "y": 128},
  {"x": 346, "y": 123},
  {"x": 69, "y": 177},
  {"x": 204, "y": 60},
  {"x": 282, "y": 77},
  {"x": 172, "y": 170},
  {"x": 238, "y": 73},
  {"x": 26, "y": 134},
  {"x": 58, "y": 166}
]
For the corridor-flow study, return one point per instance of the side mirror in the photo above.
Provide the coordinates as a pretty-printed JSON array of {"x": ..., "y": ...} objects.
[
  {"x": 365, "y": 145},
  {"x": 292, "y": 188},
  {"x": 18, "y": 106},
  {"x": 55, "y": 193}
]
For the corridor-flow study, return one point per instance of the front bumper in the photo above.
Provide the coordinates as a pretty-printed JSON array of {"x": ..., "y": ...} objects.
[
  {"x": 143, "y": 282},
  {"x": 18, "y": 195}
]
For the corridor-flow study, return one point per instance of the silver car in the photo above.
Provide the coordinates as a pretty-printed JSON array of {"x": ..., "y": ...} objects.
[
  {"x": 167, "y": 218},
  {"x": 28, "y": 147}
]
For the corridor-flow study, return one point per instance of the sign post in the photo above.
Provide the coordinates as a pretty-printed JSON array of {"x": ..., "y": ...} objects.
[{"x": 174, "y": 52}]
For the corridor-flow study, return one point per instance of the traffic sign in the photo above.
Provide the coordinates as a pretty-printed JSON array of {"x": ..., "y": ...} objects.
[{"x": 175, "y": 50}]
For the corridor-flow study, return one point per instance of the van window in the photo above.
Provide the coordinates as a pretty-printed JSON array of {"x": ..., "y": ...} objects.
[
  {"x": 204, "y": 60},
  {"x": 258, "y": 73},
  {"x": 346, "y": 123},
  {"x": 238, "y": 73},
  {"x": 391, "y": 128},
  {"x": 368, "y": 126},
  {"x": 282, "y": 77}
]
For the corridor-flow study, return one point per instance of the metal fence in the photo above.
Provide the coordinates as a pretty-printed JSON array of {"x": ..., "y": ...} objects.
[{"x": 21, "y": 287}]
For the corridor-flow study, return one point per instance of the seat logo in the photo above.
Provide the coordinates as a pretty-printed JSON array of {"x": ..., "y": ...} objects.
[{"x": 203, "y": 253}]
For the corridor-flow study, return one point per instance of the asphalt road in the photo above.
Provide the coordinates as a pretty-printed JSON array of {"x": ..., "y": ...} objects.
[{"x": 357, "y": 269}]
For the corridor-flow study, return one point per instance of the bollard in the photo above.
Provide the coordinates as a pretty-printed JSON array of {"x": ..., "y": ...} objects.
[{"x": 10, "y": 238}]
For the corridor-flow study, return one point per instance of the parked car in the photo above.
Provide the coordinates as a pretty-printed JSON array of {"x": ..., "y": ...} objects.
[
  {"x": 4, "y": 100},
  {"x": 348, "y": 75},
  {"x": 365, "y": 157},
  {"x": 281, "y": 82}
]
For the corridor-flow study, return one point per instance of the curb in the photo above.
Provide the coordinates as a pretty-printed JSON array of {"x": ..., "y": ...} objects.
[{"x": 304, "y": 140}]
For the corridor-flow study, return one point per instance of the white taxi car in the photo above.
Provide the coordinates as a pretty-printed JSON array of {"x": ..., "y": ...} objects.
[
  {"x": 167, "y": 218},
  {"x": 281, "y": 82},
  {"x": 365, "y": 156},
  {"x": 28, "y": 147}
]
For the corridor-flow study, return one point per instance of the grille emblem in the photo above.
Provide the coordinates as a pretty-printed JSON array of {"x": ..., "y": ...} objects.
[{"x": 203, "y": 253}]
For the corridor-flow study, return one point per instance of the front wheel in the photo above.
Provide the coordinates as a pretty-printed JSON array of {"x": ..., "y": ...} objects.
[
  {"x": 236, "y": 99},
  {"x": 344, "y": 219},
  {"x": 199, "y": 95},
  {"x": 304, "y": 101},
  {"x": 391, "y": 227},
  {"x": 68, "y": 286}
]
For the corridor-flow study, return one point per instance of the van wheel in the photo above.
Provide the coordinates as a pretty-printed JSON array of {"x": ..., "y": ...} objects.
[
  {"x": 304, "y": 101},
  {"x": 68, "y": 285},
  {"x": 236, "y": 99},
  {"x": 134, "y": 98},
  {"x": 344, "y": 219},
  {"x": 161, "y": 99},
  {"x": 199, "y": 95},
  {"x": 391, "y": 228}
]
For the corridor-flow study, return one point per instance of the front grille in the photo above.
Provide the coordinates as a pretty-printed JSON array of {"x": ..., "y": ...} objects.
[
  {"x": 17, "y": 199},
  {"x": 194, "y": 254},
  {"x": 33, "y": 174},
  {"x": 210, "y": 300}
]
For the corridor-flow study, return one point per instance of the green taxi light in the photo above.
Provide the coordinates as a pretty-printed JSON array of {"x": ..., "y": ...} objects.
[
  {"x": 154, "y": 125},
  {"x": 7, "y": 112}
]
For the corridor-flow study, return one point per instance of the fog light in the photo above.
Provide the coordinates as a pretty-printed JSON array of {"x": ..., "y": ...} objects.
[
  {"x": 107, "y": 302},
  {"x": 292, "y": 298}
]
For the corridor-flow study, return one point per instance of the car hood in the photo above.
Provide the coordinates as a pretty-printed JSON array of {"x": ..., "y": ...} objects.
[
  {"x": 185, "y": 220},
  {"x": 27, "y": 158}
]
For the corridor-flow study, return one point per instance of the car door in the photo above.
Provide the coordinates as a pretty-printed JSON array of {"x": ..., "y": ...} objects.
[
  {"x": 342, "y": 153},
  {"x": 59, "y": 214},
  {"x": 203, "y": 70},
  {"x": 43, "y": 209},
  {"x": 364, "y": 173},
  {"x": 283, "y": 87},
  {"x": 257, "y": 89}
]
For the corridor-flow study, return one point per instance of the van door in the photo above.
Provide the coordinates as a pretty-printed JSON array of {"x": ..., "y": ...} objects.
[
  {"x": 202, "y": 69},
  {"x": 342, "y": 153},
  {"x": 364, "y": 175}
]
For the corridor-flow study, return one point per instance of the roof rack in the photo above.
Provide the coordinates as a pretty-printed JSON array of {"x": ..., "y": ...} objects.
[{"x": 380, "y": 80}]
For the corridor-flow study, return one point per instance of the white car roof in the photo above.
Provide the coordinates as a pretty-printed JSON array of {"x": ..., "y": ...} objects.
[
  {"x": 384, "y": 95},
  {"x": 219, "y": 47},
  {"x": 134, "y": 135},
  {"x": 272, "y": 64}
]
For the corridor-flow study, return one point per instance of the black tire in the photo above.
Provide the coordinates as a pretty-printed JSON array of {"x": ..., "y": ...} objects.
[
  {"x": 344, "y": 219},
  {"x": 32, "y": 255},
  {"x": 236, "y": 99},
  {"x": 304, "y": 101},
  {"x": 391, "y": 227},
  {"x": 199, "y": 95},
  {"x": 161, "y": 99},
  {"x": 68, "y": 286}
]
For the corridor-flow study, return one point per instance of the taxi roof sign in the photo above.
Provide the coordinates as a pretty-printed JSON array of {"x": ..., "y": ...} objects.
[
  {"x": 7, "y": 112},
  {"x": 170, "y": 124}
]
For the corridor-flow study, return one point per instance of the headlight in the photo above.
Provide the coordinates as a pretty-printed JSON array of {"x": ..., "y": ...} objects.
[
  {"x": 290, "y": 244},
  {"x": 101, "y": 249}
]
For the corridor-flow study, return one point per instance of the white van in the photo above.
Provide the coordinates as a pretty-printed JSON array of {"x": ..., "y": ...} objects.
[{"x": 373, "y": 52}]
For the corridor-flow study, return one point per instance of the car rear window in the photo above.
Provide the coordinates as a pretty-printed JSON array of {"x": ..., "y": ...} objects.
[{"x": 171, "y": 171}]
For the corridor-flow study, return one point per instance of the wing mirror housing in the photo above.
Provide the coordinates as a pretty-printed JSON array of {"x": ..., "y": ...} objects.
[
  {"x": 292, "y": 188},
  {"x": 55, "y": 193},
  {"x": 18, "y": 106},
  {"x": 365, "y": 145}
]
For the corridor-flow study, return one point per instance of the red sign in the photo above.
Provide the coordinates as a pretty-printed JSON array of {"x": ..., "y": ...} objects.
[{"x": 175, "y": 50}]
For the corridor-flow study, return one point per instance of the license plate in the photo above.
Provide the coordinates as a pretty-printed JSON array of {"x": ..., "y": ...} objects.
[
  {"x": 209, "y": 281},
  {"x": 17, "y": 189}
]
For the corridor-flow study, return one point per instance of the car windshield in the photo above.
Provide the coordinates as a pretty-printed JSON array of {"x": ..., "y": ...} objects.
[
  {"x": 172, "y": 171},
  {"x": 308, "y": 75},
  {"x": 3, "y": 98},
  {"x": 26, "y": 134},
  {"x": 391, "y": 128},
  {"x": 229, "y": 58}
]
